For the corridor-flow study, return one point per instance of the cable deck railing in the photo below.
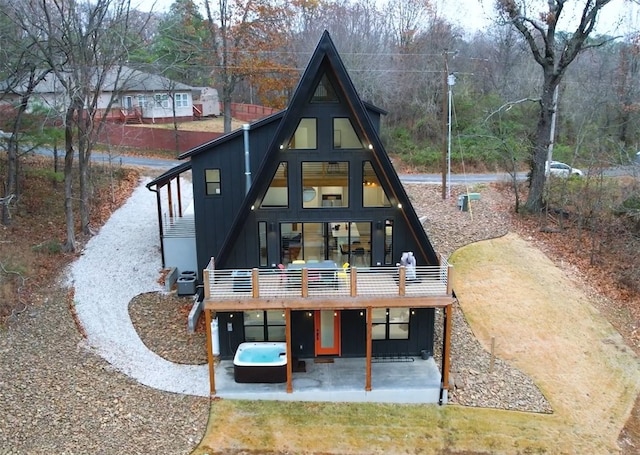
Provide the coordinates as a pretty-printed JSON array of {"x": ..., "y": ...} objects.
[{"x": 312, "y": 280}]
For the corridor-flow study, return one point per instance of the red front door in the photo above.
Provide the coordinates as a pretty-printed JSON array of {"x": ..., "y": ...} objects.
[{"x": 327, "y": 332}]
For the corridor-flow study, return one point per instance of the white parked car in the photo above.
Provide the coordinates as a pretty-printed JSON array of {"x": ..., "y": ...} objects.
[{"x": 558, "y": 169}]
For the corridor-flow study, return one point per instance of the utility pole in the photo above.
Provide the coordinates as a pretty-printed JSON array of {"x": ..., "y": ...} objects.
[
  {"x": 445, "y": 106},
  {"x": 451, "y": 80},
  {"x": 552, "y": 135},
  {"x": 446, "y": 95}
]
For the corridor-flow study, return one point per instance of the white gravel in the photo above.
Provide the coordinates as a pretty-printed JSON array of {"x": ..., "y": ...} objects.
[{"x": 122, "y": 261}]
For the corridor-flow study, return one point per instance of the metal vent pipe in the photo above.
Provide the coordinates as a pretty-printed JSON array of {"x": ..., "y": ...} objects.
[{"x": 247, "y": 166}]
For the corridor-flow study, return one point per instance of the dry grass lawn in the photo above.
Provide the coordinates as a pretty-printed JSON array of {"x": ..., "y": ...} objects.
[
  {"x": 214, "y": 125},
  {"x": 543, "y": 323}
]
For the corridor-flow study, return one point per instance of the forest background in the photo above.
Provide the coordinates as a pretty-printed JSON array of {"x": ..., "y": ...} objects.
[{"x": 540, "y": 76}]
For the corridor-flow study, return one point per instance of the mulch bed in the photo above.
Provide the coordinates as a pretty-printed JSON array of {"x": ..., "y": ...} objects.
[{"x": 161, "y": 322}]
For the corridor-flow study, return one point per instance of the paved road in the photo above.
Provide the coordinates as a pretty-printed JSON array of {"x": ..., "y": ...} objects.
[
  {"x": 430, "y": 179},
  {"x": 131, "y": 160}
]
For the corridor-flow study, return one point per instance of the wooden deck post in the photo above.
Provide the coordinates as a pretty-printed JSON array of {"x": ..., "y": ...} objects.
[
  {"x": 449, "y": 278},
  {"x": 207, "y": 319},
  {"x": 210, "y": 359},
  {"x": 354, "y": 282},
  {"x": 402, "y": 281},
  {"x": 255, "y": 283},
  {"x": 367, "y": 383},
  {"x": 305, "y": 282},
  {"x": 287, "y": 335}
]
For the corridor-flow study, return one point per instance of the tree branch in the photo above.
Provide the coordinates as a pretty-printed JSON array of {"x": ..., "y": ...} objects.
[{"x": 507, "y": 106}]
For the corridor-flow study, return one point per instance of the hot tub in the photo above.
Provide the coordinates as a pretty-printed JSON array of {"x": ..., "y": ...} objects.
[{"x": 260, "y": 362}]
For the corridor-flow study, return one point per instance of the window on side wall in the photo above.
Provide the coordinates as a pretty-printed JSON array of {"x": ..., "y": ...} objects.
[
  {"x": 212, "y": 181},
  {"x": 162, "y": 100},
  {"x": 181, "y": 100}
]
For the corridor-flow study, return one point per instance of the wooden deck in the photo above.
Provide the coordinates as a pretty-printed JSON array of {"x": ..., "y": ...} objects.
[{"x": 309, "y": 288}]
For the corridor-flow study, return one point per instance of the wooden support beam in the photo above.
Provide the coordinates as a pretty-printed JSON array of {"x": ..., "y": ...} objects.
[
  {"x": 287, "y": 335},
  {"x": 367, "y": 381},
  {"x": 326, "y": 303},
  {"x": 210, "y": 359},
  {"x": 402, "y": 281}
]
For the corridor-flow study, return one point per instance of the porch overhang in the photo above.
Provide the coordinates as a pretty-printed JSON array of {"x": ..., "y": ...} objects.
[
  {"x": 324, "y": 303},
  {"x": 256, "y": 292}
]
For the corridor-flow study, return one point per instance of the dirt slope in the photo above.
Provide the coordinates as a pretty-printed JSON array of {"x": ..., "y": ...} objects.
[{"x": 544, "y": 324}]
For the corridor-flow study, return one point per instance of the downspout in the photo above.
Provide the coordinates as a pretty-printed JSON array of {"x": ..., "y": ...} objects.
[
  {"x": 444, "y": 354},
  {"x": 247, "y": 167}
]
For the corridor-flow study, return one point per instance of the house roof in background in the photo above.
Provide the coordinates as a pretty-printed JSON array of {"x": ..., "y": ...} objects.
[{"x": 127, "y": 80}]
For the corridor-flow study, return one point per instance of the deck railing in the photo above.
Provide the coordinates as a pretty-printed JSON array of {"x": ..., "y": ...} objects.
[{"x": 310, "y": 281}]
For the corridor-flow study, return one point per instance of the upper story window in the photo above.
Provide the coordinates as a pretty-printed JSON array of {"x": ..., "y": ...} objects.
[
  {"x": 306, "y": 135},
  {"x": 162, "y": 100},
  {"x": 344, "y": 135},
  {"x": 325, "y": 184},
  {"x": 212, "y": 180},
  {"x": 324, "y": 92},
  {"x": 373, "y": 195},
  {"x": 277, "y": 194},
  {"x": 181, "y": 100}
]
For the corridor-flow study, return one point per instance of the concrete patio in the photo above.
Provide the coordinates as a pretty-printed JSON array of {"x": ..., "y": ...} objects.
[{"x": 408, "y": 380}]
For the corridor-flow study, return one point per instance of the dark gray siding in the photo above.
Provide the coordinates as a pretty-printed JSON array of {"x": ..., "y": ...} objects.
[{"x": 215, "y": 214}]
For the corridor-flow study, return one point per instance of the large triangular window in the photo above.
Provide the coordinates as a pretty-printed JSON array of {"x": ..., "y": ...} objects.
[
  {"x": 344, "y": 135},
  {"x": 324, "y": 92},
  {"x": 373, "y": 194},
  {"x": 305, "y": 136},
  {"x": 278, "y": 193}
]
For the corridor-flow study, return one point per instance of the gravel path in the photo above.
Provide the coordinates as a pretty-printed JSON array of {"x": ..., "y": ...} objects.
[
  {"x": 58, "y": 396},
  {"x": 106, "y": 278}
]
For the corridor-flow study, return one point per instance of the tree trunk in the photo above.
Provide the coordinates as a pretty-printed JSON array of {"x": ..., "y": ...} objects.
[
  {"x": 535, "y": 200},
  {"x": 84, "y": 157},
  {"x": 12, "y": 170},
  {"x": 70, "y": 244},
  {"x": 227, "y": 110},
  {"x": 11, "y": 189}
]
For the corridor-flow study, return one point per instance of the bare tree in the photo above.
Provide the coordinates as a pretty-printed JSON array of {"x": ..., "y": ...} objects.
[
  {"x": 22, "y": 70},
  {"x": 243, "y": 35},
  {"x": 553, "y": 51},
  {"x": 84, "y": 44}
]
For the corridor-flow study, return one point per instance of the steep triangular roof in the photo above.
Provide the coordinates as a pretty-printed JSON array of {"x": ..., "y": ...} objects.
[{"x": 325, "y": 60}]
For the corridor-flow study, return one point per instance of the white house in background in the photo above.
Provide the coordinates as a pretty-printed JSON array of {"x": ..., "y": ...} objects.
[
  {"x": 206, "y": 100},
  {"x": 138, "y": 97}
]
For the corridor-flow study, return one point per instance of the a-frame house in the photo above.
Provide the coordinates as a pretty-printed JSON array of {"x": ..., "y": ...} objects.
[{"x": 300, "y": 224}]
